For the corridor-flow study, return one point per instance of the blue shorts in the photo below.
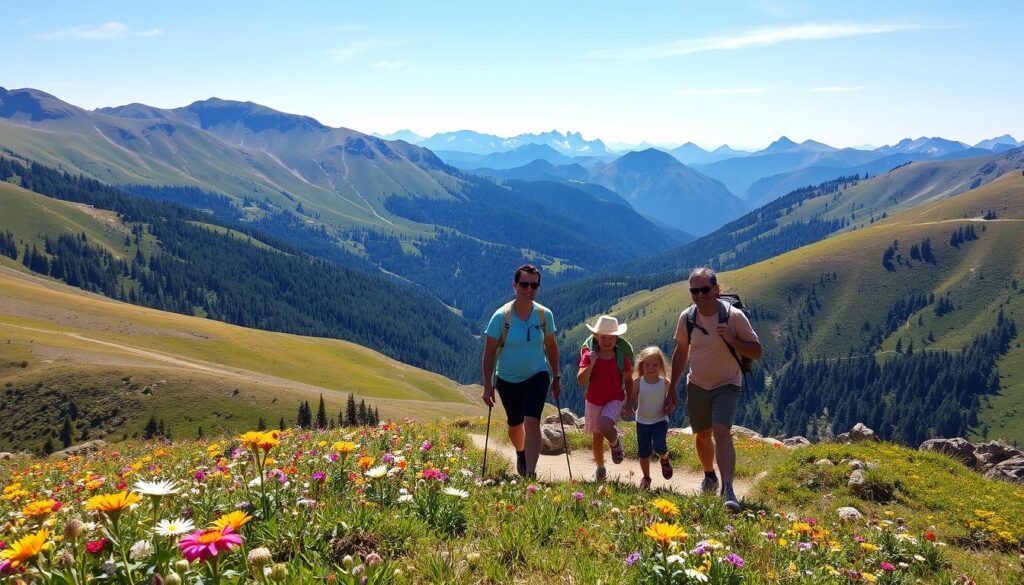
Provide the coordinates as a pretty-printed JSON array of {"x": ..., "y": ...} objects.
[{"x": 651, "y": 438}]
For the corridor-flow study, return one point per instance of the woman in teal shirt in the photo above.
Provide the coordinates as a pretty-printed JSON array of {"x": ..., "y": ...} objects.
[{"x": 520, "y": 337}]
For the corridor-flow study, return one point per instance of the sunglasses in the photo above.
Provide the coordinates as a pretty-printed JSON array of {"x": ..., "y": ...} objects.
[
  {"x": 533, "y": 285},
  {"x": 702, "y": 290}
]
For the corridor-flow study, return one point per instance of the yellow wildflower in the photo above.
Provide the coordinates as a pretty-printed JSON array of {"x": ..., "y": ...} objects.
[
  {"x": 344, "y": 447},
  {"x": 113, "y": 504},
  {"x": 664, "y": 533},
  {"x": 235, "y": 520},
  {"x": 25, "y": 549},
  {"x": 39, "y": 508},
  {"x": 666, "y": 508}
]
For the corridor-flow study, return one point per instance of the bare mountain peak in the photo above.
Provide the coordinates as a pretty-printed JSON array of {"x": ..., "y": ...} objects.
[{"x": 33, "y": 105}]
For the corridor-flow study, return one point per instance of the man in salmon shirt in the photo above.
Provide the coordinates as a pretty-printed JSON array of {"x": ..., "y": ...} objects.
[{"x": 715, "y": 380}]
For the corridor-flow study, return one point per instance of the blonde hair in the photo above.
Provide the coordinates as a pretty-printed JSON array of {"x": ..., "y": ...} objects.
[{"x": 649, "y": 352}]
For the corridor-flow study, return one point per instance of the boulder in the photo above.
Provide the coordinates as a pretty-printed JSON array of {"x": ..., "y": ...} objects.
[
  {"x": 772, "y": 441},
  {"x": 860, "y": 432},
  {"x": 568, "y": 418},
  {"x": 988, "y": 455},
  {"x": 843, "y": 439},
  {"x": 552, "y": 442},
  {"x": 797, "y": 441},
  {"x": 857, "y": 480},
  {"x": 738, "y": 430},
  {"x": 6, "y": 455},
  {"x": 825, "y": 463},
  {"x": 1011, "y": 470},
  {"x": 80, "y": 449},
  {"x": 957, "y": 448},
  {"x": 856, "y": 464},
  {"x": 849, "y": 514}
]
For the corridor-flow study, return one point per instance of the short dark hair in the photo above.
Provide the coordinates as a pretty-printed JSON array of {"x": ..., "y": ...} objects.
[
  {"x": 704, "y": 271},
  {"x": 529, "y": 269}
]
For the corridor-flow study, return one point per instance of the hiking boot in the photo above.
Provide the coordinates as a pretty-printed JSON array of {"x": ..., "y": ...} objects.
[
  {"x": 729, "y": 498},
  {"x": 666, "y": 468},
  {"x": 600, "y": 474},
  {"x": 645, "y": 483},
  {"x": 617, "y": 452},
  {"x": 521, "y": 463},
  {"x": 709, "y": 485}
]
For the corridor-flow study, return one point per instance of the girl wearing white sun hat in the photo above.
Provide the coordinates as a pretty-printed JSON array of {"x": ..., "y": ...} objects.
[{"x": 605, "y": 371}]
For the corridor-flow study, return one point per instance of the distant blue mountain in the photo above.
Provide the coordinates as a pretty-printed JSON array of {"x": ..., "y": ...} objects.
[
  {"x": 539, "y": 170},
  {"x": 999, "y": 143},
  {"x": 406, "y": 135},
  {"x": 933, "y": 147},
  {"x": 505, "y": 160},
  {"x": 468, "y": 141}
]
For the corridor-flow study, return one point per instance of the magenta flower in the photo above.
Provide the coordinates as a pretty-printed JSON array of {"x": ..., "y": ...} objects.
[
  {"x": 206, "y": 544},
  {"x": 736, "y": 560},
  {"x": 426, "y": 446},
  {"x": 318, "y": 475},
  {"x": 888, "y": 567},
  {"x": 532, "y": 488}
]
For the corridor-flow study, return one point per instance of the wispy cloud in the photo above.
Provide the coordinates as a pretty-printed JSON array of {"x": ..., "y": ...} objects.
[
  {"x": 837, "y": 88},
  {"x": 361, "y": 47},
  {"x": 389, "y": 64},
  {"x": 722, "y": 91},
  {"x": 108, "y": 31},
  {"x": 754, "y": 38}
]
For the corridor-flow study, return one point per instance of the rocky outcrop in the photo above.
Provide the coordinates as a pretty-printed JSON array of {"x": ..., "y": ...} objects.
[
  {"x": 552, "y": 441},
  {"x": 80, "y": 449},
  {"x": 995, "y": 459},
  {"x": 860, "y": 432},
  {"x": 568, "y": 417},
  {"x": 797, "y": 441},
  {"x": 1010, "y": 470},
  {"x": 988, "y": 455},
  {"x": 957, "y": 448}
]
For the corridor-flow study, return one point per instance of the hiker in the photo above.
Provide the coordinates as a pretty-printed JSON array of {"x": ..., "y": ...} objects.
[
  {"x": 651, "y": 398},
  {"x": 520, "y": 361},
  {"x": 716, "y": 339},
  {"x": 604, "y": 371}
]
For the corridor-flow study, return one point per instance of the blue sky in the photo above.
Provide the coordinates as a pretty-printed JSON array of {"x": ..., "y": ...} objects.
[{"x": 742, "y": 73}]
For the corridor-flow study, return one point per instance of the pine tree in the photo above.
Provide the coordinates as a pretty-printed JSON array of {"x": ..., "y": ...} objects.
[
  {"x": 48, "y": 446},
  {"x": 321, "y": 414},
  {"x": 199, "y": 433},
  {"x": 67, "y": 433},
  {"x": 280, "y": 424},
  {"x": 151, "y": 428},
  {"x": 261, "y": 425},
  {"x": 350, "y": 411},
  {"x": 361, "y": 417},
  {"x": 376, "y": 416}
]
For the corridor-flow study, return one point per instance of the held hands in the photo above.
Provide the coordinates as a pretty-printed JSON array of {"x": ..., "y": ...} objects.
[{"x": 627, "y": 410}]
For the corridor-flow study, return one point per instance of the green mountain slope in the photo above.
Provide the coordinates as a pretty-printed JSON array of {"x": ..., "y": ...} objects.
[{"x": 832, "y": 299}]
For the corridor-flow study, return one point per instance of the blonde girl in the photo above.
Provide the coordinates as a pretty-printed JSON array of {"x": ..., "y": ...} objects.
[{"x": 649, "y": 396}]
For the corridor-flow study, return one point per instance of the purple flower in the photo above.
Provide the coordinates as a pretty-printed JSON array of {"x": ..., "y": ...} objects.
[
  {"x": 532, "y": 488},
  {"x": 729, "y": 528},
  {"x": 426, "y": 446},
  {"x": 736, "y": 560},
  {"x": 333, "y": 457},
  {"x": 804, "y": 546},
  {"x": 387, "y": 458},
  {"x": 700, "y": 550},
  {"x": 318, "y": 475},
  {"x": 633, "y": 558},
  {"x": 578, "y": 496},
  {"x": 888, "y": 567},
  {"x": 200, "y": 475}
]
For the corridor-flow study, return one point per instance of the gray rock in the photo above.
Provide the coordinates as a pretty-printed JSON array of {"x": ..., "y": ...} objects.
[
  {"x": 80, "y": 449},
  {"x": 552, "y": 442},
  {"x": 860, "y": 432},
  {"x": 568, "y": 418},
  {"x": 843, "y": 438},
  {"x": 772, "y": 441},
  {"x": 797, "y": 441},
  {"x": 849, "y": 514},
  {"x": 6, "y": 455},
  {"x": 1009, "y": 470},
  {"x": 957, "y": 448},
  {"x": 857, "y": 480},
  {"x": 824, "y": 462},
  {"x": 738, "y": 430},
  {"x": 988, "y": 455},
  {"x": 870, "y": 465},
  {"x": 856, "y": 464}
]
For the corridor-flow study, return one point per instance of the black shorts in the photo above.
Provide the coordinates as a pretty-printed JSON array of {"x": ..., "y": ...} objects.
[{"x": 522, "y": 399}]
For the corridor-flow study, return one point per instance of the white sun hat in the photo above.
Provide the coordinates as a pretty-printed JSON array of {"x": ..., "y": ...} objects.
[{"x": 608, "y": 325}]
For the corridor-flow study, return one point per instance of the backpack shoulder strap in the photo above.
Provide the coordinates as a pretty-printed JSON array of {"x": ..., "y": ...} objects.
[
  {"x": 506, "y": 310},
  {"x": 541, "y": 316},
  {"x": 690, "y": 316},
  {"x": 723, "y": 312}
]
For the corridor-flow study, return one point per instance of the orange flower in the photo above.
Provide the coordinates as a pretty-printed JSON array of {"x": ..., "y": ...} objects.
[
  {"x": 25, "y": 549},
  {"x": 344, "y": 447},
  {"x": 365, "y": 462},
  {"x": 113, "y": 504},
  {"x": 235, "y": 520},
  {"x": 666, "y": 508},
  {"x": 39, "y": 508},
  {"x": 664, "y": 533}
]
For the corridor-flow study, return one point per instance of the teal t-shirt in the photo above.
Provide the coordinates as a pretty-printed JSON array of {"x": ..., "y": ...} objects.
[{"x": 523, "y": 354}]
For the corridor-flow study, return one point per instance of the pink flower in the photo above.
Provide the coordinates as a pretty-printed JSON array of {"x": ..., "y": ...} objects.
[
  {"x": 532, "y": 488},
  {"x": 888, "y": 567},
  {"x": 426, "y": 446},
  {"x": 206, "y": 544}
]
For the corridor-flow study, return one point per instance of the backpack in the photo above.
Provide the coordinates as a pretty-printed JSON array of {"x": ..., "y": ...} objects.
[
  {"x": 507, "y": 310},
  {"x": 623, "y": 350},
  {"x": 724, "y": 302}
]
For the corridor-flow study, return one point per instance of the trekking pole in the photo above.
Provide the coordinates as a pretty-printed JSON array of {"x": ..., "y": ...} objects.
[
  {"x": 487, "y": 438},
  {"x": 565, "y": 438}
]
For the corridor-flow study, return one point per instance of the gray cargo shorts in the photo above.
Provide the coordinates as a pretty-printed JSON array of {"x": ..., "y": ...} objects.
[{"x": 708, "y": 407}]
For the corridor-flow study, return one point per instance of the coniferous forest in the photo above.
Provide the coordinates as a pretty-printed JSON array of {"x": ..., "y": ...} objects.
[{"x": 199, "y": 271}]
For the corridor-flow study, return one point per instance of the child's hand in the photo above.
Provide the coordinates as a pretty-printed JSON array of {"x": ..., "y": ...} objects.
[
  {"x": 627, "y": 410},
  {"x": 668, "y": 407}
]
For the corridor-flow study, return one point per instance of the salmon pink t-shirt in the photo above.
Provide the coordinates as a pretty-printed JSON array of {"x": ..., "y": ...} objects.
[
  {"x": 711, "y": 364},
  {"x": 605, "y": 380}
]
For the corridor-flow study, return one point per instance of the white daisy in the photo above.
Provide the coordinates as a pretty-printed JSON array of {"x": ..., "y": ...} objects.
[
  {"x": 404, "y": 498},
  {"x": 174, "y": 527},
  {"x": 456, "y": 492},
  {"x": 141, "y": 550},
  {"x": 155, "y": 488},
  {"x": 377, "y": 472}
]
